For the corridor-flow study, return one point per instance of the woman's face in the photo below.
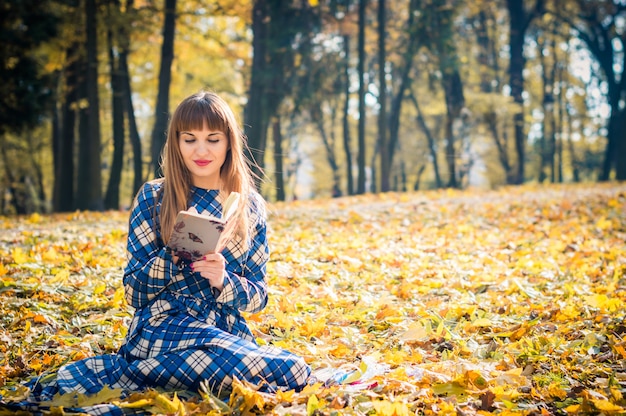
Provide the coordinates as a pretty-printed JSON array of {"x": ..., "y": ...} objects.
[{"x": 204, "y": 152}]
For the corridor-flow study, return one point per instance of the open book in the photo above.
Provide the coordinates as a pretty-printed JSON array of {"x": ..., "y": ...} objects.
[{"x": 196, "y": 234}]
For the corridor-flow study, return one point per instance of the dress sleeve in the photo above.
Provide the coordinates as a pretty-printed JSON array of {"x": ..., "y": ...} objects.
[
  {"x": 248, "y": 292},
  {"x": 150, "y": 267}
]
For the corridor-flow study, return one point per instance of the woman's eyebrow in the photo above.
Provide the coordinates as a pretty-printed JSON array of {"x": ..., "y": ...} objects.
[{"x": 215, "y": 133}]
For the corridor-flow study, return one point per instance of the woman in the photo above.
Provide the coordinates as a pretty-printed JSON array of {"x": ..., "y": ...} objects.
[{"x": 187, "y": 328}]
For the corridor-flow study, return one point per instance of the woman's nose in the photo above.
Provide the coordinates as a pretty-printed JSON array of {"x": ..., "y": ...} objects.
[{"x": 203, "y": 148}]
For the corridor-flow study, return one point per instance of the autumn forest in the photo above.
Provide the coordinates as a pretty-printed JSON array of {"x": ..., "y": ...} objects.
[
  {"x": 471, "y": 94},
  {"x": 445, "y": 187}
]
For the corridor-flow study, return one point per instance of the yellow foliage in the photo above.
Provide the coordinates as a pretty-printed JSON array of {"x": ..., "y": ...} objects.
[
  {"x": 19, "y": 256},
  {"x": 432, "y": 298},
  {"x": 388, "y": 408}
]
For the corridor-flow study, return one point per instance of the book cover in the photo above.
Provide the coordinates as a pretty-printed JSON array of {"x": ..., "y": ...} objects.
[{"x": 196, "y": 234}]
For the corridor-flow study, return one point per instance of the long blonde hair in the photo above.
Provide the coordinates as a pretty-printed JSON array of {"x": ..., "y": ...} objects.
[{"x": 194, "y": 112}]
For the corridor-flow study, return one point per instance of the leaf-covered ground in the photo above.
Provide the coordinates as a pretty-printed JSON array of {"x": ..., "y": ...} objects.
[{"x": 448, "y": 302}]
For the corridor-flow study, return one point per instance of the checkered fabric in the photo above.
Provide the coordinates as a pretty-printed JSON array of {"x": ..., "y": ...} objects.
[{"x": 183, "y": 333}]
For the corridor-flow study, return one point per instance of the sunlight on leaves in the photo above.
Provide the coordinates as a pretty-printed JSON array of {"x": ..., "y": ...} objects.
[{"x": 478, "y": 302}]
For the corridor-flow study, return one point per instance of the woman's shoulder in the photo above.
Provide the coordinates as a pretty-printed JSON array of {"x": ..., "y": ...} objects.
[{"x": 149, "y": 192}]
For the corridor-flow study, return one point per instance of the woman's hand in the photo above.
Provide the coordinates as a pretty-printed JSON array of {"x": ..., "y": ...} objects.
[{"x": 212, "y": 267}]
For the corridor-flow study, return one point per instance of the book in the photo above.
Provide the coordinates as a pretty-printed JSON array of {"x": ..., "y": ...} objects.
[{"x": 196, "y": 234}]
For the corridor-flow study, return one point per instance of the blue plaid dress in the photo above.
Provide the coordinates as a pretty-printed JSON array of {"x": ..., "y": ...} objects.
[{"x": 183, "y": 333}]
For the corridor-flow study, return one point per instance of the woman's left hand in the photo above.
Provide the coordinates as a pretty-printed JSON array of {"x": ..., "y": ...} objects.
[{"x": 212, "y": 267}]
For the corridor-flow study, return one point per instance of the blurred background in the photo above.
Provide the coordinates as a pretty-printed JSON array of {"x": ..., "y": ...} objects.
[{"x": 337, "y": 97}]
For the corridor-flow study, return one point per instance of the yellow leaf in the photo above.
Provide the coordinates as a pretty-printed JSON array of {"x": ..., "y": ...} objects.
[
  {"x": 61, "y": 277},
  {"x": 18, "y": 255},
  {"x": 573, "y": 409},
  {"x": 416, "y": 332},
  {"x": 607, "y": 406},
  {"x": 173, "y": 406},
  {"x": 308, "y": 390},
  {"x": 387, "y": 408},
  {"x": 100, "y": 288},
  {"x": 603, "y": 302},
  {"x": 603, "y": 224},
  {"x": 556, "y": 391},
  {"x": 50, "y": 255},
  {"x": 620, "y": 350},
  {"x": 118, "y": 298},
  {"x": 341, "y": 350},
  {"x": 285, "y": 396},
  {"x": 136, "y": 404},
  {"x": 482, "y": 323},
  {"x": 312, "y": 405},
  {"x": 34, "y": 218},
  {"x": 3, "y": 270}
]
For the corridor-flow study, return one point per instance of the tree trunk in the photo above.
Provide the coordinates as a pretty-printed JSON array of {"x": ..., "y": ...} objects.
[
  {"x": 519, "y": 21},
  {"x": 329, "y": 146},
  {"x": 607, "y": 44},
  {"x": 516, "y": 80},
  {"x": 57, "y": 144},
  {"x": 278, "y": 159},
  {"x": 83, "y": 139},
  {"x": 346, "y": 116},
  {"x": 575, "y": 163},
  {"x": 16, "y": 190},
  {"x": 405, "y": 83},
  {"x": 431, "y": 142},
  {"x": 90, "y": 175},
  {"x": 620, "y": 157},
  {"x": 360, "y": 189},
  {"x": 63, "y": 199},
  {"x": 489, "y": 72},
  {"x": 255, "y": 111},
  {"x": 450, "y": 152},
  {"x": 133, "y": 131},
  {"x": 546, "y": 108},
  {"x": 161, "y": 114},
  {"x": 112, "y": 198},
  {"x": 385, "y": 166},
  {"x": 455, "y": 101}
]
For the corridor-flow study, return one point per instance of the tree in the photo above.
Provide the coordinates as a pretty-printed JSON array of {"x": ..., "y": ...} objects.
[
  {"x": 491, "y": 83},
  {"x": 133, "y": 131},
  {"x": 360, "y": 188},
  {"x": 63, "y": 146},
  {"x": 161, "y": 113},
  {"x": 438, "y": 24},
  {"x": 347, "y": 140},
  {"x": 385, "y": 159},
  {"x": 281, "y": 30},
  {"x": 25, "y": 89},
  {"x": 112, "y": 198},
  {"x": 601, "y": 27},
  {"x": 25, "y": 96},
  {"x": 519, "y": 19},
  {"x": 402, "y": 75},
  {"x": 89, "y": 190}
]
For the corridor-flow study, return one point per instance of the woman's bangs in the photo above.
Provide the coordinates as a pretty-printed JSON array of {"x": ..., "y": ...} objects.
[{"x": 198, "y": 114}]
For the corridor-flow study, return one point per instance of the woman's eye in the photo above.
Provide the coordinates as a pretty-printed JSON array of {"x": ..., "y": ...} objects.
[
  {"x": 214, "y": 140},
  {"x": 190, "y": 140}
]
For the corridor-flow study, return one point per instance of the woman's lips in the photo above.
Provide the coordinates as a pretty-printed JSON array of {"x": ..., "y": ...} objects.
[{"x": 202, "y": 162}]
